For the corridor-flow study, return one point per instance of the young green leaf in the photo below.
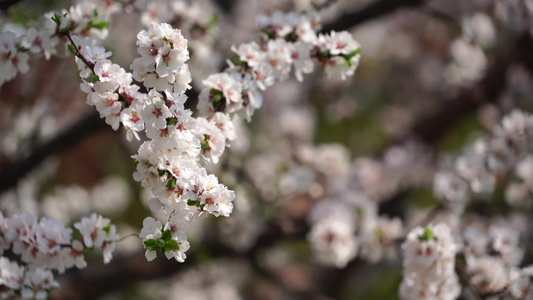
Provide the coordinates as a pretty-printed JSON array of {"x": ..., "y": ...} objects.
[
  {"x": 151, "y": 244},
  {"x": 167, "y": 235},
  {"x": 171, "y": 245}
]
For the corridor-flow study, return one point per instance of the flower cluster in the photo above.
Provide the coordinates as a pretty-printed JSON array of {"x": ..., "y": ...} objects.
[
  {"x": 493, "y": 253},
  {"x": 196, "y": 20},
  {"x": 333, "y": 234},
  {"x": 346, "y": 223},
  {"x": 289, "y": 40},
  {"x": 170, "y": 163},
  {"x": 86, "y": 19},
  {"x": 469, "y": 62},
  {"x": 428, "y": 264},
  {"x": 46, "y": 245},
  {"x": 12, "y": 58},
  {"x": 479, "y": 169},
  {"x": 162, "y": 65},
  {"x": 89, "y": 18},
  {"x": 29, "y": 284}
]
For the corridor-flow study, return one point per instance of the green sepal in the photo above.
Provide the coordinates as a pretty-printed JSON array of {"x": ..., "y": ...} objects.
[
  {"x": 56, "y": 18},
  {"x": 135, "y": 164},
  {"x": 238, "y": 62},
  {"x": 171, "y": 183},
  {"x": 217, "y": 99},
  {"x": 204, "y": 145},
  {"x": 348, "y": 57},
  {"x": 168, "y": 42},
  {"x": 107, "y": 229},
  {"x": 72, "y": 49},
  {"x": 291, "y": 36},
  {"x": 427, "y": 235},
  {"x": 269, "y": 32},
  {"x": 193, "y": 202},
  {"x": 172, "y": 121},
  {"x": 98, "y": 24},
  {"x": 324, "y": 53},
  {"x": 87, "y": 249},
  {"x": 94, "y": 78},
  {"x": 167, "y": 235},
  {"x": 171, "y": 245}
]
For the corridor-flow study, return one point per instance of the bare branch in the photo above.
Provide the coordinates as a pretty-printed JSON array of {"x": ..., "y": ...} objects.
[
  {"x": 11, "y": 174},
  {"x": 372, "y": 11}
]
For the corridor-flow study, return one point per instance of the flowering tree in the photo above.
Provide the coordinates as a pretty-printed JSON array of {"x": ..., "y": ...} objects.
[{"x": 434, "y": 203}]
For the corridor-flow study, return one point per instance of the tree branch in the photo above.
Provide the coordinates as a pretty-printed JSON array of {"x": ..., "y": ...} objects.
[
  {"x": 372, "y": 11},
  {"x": 10, "y": 175}
]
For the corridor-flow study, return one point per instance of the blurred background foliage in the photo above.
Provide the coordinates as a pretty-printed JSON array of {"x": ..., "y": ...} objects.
[{"x": 400, "y": 81}]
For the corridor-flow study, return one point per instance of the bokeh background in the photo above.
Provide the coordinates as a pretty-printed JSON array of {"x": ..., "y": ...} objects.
[{"x": 434, "y": 76}]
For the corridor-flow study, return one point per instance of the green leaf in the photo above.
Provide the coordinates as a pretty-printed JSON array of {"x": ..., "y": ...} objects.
[
  {"x": 72, "y": 49},
  {"x": 291, "y": 36},
  {"x": 168, "y": 42},
  {"x": 98, "y": 24},
  {"x": 172, "y": 121},
  {"x": 162, "y": 172},
  {"x": 171, "y": 183},
  {"x": 167, "y": 235},
  {"x": 107, "y": 229},
  {"x": 193, "y": 202},
  {"x": 171, "y": 245},
  {"x": 151, "y": 244},
  {"x": 160, "y": 243},
  {"x": 56, "y": 18},
  {"x": 204, "y": 145},
  {"x": 135, "y": 164},
  {"x": 269, "y": 32},
  {"x": 347, "y": 60},
  {"x": 427, "y": 235},
  {"x": 348, "y": 57},
  {"x": 87, "y": 249},
  {"x": 94, "y": 77},
  {"x": 238, "y": 62}
]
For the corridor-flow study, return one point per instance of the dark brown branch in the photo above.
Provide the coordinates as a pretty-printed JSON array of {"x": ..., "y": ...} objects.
[
  {"x": 10, "y": 175},
  {"x": 372, "y": 11}
]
